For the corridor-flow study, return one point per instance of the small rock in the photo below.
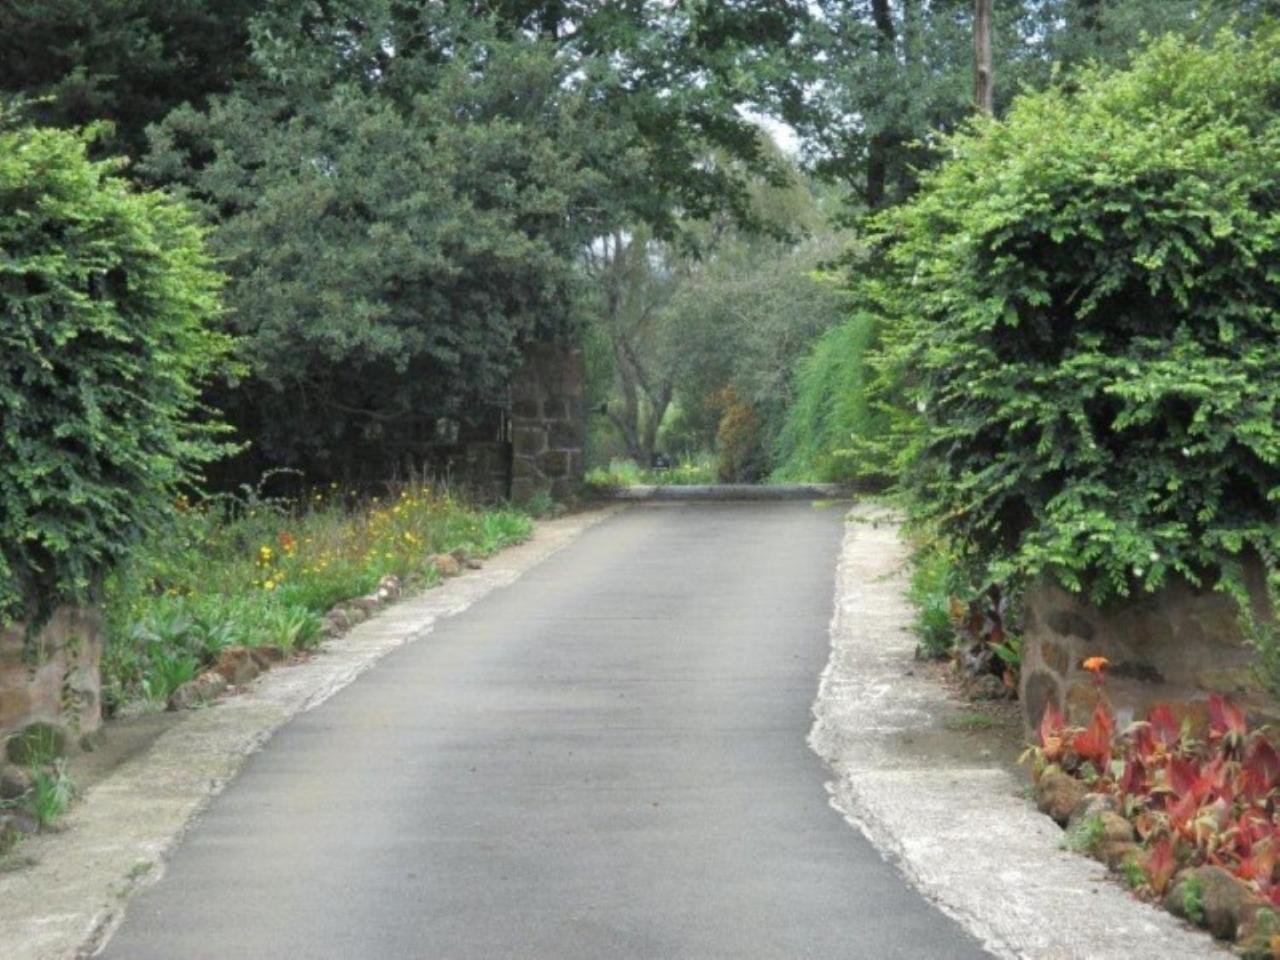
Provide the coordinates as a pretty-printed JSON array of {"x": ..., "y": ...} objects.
[
  {"x": 36, "y": 741},
  {"x": 1116, "y": 829},
  {"x": 1091, "y": 805},
  {"x": 237, "y": 665},
  {"x": 1057, "y": 793},
  {"x": 1256, "y": 932},
  {"x": 202, "y": 689},
  {"x": 446, "y": 565},
  {"x": 987, "y": 687},
  {"x": 389, "y": 587},
  {"x": 18, "y": 823},
  {"x": 1228, "y": 903},
  {"x": 1114, "y": 853},
  {"x": 335, "y": 623},
  {"x": 366, "y": 605},
  {"x": 355, "y": 613},
  {"x": 15, "y": 782},
  {"x": 473, "y": 563},
  {"x": 8, "y": 832},
  {"x": 266, "y": 656}
]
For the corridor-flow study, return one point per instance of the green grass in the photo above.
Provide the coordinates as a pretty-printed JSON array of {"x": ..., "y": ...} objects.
[
  {"x": 263, "y": 573},
  {"x": 930, "y": 592},
  {"x": 50, "y": 795},
  {"x": 969, "y": 722},
  {"x": 689, "y": 471},
  {"x": 1086, "y": 836}
]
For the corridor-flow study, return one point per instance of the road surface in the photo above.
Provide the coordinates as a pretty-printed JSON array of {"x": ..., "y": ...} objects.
[{"x": 605, "y": 760}]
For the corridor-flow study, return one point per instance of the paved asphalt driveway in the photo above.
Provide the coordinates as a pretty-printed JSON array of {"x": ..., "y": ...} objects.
[{"x": 604, "y": 760}]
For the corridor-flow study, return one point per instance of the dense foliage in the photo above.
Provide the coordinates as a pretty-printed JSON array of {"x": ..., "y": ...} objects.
[
  {"x": 831, "y": 427},
  {"x": 386, "y": 259},
  {"x": 128, "y": 62},
  {"x": 105, "y": 292},
  {"x": 1083, "y": 312},
  {"x": 889, "y": 76}
]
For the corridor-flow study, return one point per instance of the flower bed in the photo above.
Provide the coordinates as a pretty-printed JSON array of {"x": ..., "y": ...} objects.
[
  {"x": 275, "y": 577},
  {"x": 1184, "y": 810}
]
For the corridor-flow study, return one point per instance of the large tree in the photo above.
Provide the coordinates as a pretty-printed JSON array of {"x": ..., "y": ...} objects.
[
  {"x": 126, "y": 61},
  {"x": 888, "y": 76},
  {"x": 387, "y": 256},
  {"x": 402, "y": 191}
]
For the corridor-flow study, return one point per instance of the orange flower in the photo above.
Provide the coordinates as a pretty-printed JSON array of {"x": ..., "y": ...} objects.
[
  {"x": 1096, "y": 665},
  {"x": 287, "y": 543}
]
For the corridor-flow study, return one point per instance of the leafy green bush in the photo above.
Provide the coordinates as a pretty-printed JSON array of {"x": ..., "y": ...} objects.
[
  {"x": 1084, "y": 313},
  {"x": 931, "y": 590},
  {"x": 832, "y": 414},
  {"x": 104, "y": 292}
]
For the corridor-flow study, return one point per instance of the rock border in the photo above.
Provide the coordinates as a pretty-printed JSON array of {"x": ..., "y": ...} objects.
[
  {"x": 68, "y": 902},
  {"x": 965, "y": 833}
]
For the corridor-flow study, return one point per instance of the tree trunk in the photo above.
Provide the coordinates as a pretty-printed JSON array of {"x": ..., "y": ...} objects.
[
  {"x": 881, "y": 141},
  {"x": 982, "y": 69}
]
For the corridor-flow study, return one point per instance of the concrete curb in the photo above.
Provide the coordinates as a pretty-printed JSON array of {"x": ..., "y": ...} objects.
[
  {"x": 729, "y": 491},
  {"x": 961, "y": 831},
  {"x": 71, "y": 898}
]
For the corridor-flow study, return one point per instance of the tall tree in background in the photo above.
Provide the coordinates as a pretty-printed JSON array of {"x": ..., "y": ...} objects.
[
  {"x": 126, "y": 61},
  {"x": 402, "y": 192},
  {"x": 886, "y": 77}
]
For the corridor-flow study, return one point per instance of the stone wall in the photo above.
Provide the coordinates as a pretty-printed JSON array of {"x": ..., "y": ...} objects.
[
  {"x": 1175, "y": 646},
  {"x": 548, "y": 423},
  {"x": 55, "y": 677}
]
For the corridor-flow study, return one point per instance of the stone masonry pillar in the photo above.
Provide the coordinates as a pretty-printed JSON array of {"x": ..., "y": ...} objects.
[{"x": 548, "y": 422}]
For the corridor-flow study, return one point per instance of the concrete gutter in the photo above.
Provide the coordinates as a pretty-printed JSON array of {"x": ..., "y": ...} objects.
[
  {"x": 116, "y": 837},
  {"x": 959, "y": 827},
  {"x": 728, "y": 491}
]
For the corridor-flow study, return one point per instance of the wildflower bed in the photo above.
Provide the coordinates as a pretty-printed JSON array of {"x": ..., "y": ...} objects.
[{"x": 252, "y": 572}]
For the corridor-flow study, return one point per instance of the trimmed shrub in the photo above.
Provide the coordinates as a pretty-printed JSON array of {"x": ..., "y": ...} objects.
[
  {"x": 1083, "y": 308},
  {"x": 104, "y": 292}
]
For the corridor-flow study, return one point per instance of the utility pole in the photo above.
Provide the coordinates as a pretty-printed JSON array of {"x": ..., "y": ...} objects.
[{"x": 982, "y": 70}]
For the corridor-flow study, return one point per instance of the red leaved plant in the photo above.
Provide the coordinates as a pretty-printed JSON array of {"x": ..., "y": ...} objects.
[{"x": 1191, "y": 802}]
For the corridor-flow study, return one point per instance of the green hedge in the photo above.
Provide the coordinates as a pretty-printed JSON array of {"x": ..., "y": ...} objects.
[
  {"x": 1083, "y": 312},
  {"x": 104, "y": 293}
]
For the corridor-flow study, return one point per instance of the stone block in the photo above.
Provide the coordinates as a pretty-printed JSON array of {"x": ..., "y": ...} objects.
[
  {"x": 1175, "y": 646},
  {"x": 555, "y": 464},
  {"x": 1080, "y": 700},
  {"x": 526, "y": 408},
  {"x": 528, "y": 440},
  {"x": 567, "y": 435},
  {"x": 524, "y": 489},
  {"x": 53, "y": 676},
  {"x": 1039, "y": 689},
  {"x": 1056, "y": 656}
]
